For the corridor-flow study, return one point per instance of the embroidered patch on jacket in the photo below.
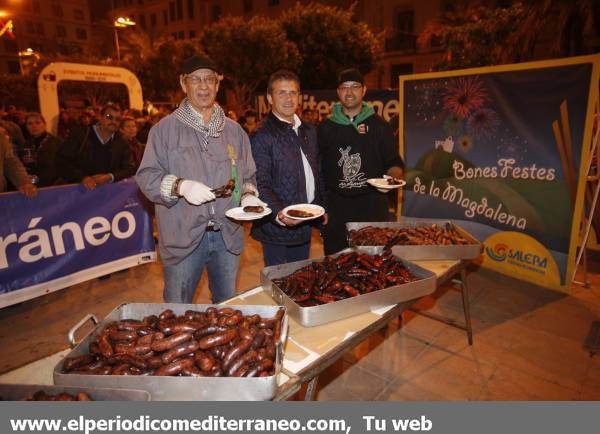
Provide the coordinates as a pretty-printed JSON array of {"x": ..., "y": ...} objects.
[{"x": 351, "y": 164}]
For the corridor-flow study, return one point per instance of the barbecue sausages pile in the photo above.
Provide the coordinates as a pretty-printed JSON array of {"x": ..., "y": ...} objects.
[
  {"x": 413, "y": 236},
  {"x": 348, "y": 275},
  {"x": 215, "y": 343}
]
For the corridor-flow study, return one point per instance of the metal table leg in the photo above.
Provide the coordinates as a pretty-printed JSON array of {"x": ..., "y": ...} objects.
[
  {"x": 466, "y": 305},
  {"x": 310, "y": 388},
  {"x": 466, "y": 326}
]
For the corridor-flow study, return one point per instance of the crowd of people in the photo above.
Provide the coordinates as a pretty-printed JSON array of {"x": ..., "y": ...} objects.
[
  {"x": 97, "y": 144},
  {"x": 179, "y": 159}
]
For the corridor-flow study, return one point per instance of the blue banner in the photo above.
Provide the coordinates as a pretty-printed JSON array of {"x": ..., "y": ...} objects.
[
  {"x": 67, "y": 235},
  {"x": 384, "y": 102}
]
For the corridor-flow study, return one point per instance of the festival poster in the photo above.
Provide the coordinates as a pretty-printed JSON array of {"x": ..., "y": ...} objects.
[{"x": 500, "y": 150}]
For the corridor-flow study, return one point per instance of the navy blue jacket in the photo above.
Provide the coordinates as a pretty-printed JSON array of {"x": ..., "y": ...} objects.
[{"x": 280, "y": 176}]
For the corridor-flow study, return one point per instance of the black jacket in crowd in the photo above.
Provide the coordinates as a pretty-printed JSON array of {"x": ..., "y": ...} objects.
[
  {"x": 82, "y": 154},
  {"x": 42, "y": 152}
]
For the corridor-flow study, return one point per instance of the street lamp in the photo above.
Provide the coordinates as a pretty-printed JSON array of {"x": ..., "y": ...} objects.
[
  {"x": 121, "y": 22},
  {"x": 27, "y": 54}
]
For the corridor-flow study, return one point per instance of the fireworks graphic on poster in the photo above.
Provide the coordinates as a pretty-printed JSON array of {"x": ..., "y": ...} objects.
[
  {"x": 427, "y": 105},
  {"x": 453, "y": 125},
  {"x": 465, "y": 144},
  {"x": 511, "y": 145},
  {"x": 483, "y": 123},
  {"x": 465, "y": 95}
]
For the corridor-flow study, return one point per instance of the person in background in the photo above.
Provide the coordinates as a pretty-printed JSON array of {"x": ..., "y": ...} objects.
[
  {"x": 39, "y": 153},
  {"x": 12, "y": 169},
  {"x": 86, "y": 119},
  {"x": 287, "y": 172},
  {"x": 128, "y": 131},
  {"x": 189, "y": 153},
  {"x": 96, "y": 155},
  {"x": 250, "y": 121},
  {"x": 231, "y": 114},
  {"x": 356, "y": 144},
  {"x": 312, "y": 116},
  {"x": 17, "y": 139}
]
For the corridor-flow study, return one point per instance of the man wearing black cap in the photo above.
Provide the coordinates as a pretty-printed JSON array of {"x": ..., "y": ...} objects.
[
  {"x": 356, "y": 144},
  {"x": 190, "y": 153}
]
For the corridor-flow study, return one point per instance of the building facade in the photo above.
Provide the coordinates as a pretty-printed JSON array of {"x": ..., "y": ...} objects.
[
  {"x": 397, "y": 21},
  {"x": 49, "y": 26}
]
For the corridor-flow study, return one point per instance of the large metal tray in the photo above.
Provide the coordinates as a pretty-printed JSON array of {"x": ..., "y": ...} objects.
[
  {"x": 20, "y": 392},
  {"x": 317, "y": 315},
  {"x": 429, "y": 252},
  {"x": 178, "y": 388}
]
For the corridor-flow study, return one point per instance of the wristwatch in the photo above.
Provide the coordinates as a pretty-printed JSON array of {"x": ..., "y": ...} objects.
[{"x": 175, "y": 188}]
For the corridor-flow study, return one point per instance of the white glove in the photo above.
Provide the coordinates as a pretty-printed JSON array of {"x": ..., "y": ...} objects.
[
  {"x": 251, "y": 200},
  {"x": 195, "y": 192}
]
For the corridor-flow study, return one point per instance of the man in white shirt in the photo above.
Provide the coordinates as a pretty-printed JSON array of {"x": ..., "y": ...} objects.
[{"x": 287, "y": 172}]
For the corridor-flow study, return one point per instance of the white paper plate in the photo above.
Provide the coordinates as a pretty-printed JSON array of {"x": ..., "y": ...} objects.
[
  {"x": 382, "y": 183},
  {"x": 239, "y": 214},
  {"x": 316, "y": 210}
]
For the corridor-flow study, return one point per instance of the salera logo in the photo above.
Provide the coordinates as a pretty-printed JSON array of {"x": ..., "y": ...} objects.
[{"x": 501, "y": 252}]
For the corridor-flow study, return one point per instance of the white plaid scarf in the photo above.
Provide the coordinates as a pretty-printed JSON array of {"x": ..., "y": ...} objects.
[{"x": 187, "y": 115}]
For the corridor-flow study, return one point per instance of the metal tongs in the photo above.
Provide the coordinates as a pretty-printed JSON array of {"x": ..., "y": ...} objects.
[{"x": 224, "y": 190}]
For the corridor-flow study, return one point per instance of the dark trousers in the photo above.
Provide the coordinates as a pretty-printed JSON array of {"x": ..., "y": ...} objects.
[{"x": 275, "y": 254}]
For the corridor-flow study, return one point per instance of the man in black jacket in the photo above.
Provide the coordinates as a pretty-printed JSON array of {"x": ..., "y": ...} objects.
[
  {"x": 287, "y": 172},
  {"x": 96, "y": 155},
  {"x": 355, "y": 144},
  {"x": 39, "y": 151}
]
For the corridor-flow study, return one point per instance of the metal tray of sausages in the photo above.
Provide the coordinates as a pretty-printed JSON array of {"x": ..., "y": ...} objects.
[
  {"x": 426, "y": 252},
  {"x": 163, "y": 388},
  {"x": 317, "y": 315},
  {"x": 21, "y": 392}
]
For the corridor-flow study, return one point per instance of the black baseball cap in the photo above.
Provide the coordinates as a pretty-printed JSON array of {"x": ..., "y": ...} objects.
[
  {"x": 199, "y": 61},
  {"x": 351, "y": 74}
]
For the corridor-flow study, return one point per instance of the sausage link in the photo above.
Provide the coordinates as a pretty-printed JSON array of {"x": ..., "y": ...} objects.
[
  {"x": 170, "y": 342},
  {"x": 130, "y": 324},
  {"x": 217, "y": 339},
  {"x": 175, "y": 367},
  {"x": 166, "y": 314},
  {"x": 261, "y": 366},
  {"x": 235, "y": 352},
  {"x": 208, "y": 330},
  {"x": 179, "y": 351},
  {"x": 247, "y": 358},
  {"x": 76, "y": 362},
  {"x": 104, "y": 345}
]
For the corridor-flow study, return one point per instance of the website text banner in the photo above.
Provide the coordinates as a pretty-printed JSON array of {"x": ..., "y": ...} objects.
[
  {"x": 301, "y": 417},
  {"x": 384, "y": 102},
  {"x": 67, "y": 235},
  {"x": 500, "y": 150}
]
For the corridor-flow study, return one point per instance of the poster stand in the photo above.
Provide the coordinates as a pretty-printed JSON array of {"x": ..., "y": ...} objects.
[{"x": 593, "y": 179}]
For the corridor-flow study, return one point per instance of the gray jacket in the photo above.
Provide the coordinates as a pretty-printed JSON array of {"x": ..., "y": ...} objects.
[{"x": 175, "y": 148}]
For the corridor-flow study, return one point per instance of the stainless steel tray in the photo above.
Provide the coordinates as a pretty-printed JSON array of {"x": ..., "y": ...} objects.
[
  {"x": 20, "y": 392},
  {"x": 317, "y": 315},
  {"x": 430, "y": 252},
  {"x": 178, "y": 388}
]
